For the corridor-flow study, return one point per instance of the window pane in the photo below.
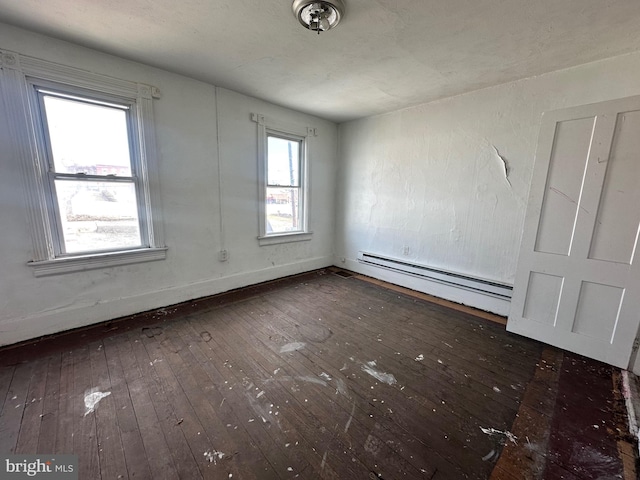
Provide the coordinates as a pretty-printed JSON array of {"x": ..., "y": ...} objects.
[
  {"x": 88, "y": 138},
  {"x": 283, "y": 210},
  {"x": 283, "y": 162},
  {"x": 97, "y": 215}
]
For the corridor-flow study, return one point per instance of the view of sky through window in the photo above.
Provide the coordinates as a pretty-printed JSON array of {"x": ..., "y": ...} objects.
[
  {"x": 86, "y": 135},
  {"x": 283, "y": 185},
  {"x": 92, "y": 139}
]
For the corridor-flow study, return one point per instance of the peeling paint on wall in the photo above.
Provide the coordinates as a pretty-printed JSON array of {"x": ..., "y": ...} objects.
[{"x": 505, "y": 165}]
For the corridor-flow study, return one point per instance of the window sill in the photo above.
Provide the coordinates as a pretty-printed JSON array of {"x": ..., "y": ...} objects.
[
  {"x": 89, "y": 262},
  {"x": 284, "y": 238}
]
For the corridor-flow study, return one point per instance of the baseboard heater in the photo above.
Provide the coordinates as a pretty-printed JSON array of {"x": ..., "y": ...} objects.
[{"x": 479, "y": 285}]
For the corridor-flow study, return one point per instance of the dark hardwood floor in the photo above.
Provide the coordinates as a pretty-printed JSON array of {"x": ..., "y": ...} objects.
[{"x": 314, "y": 376}]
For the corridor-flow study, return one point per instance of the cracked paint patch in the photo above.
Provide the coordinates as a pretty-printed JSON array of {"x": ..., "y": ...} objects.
[{"x": 505, "y": 165}]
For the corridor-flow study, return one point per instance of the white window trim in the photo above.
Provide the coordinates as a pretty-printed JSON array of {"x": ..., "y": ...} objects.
[
  {"x": 16, "y": 71},
  {"x": 268, "y": 126},
  {"x": 96, "y": 260}
]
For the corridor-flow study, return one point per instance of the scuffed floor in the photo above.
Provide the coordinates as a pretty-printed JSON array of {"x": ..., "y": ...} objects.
[
  {"x": 314, "y": 376},
  {"x": 571, "y": 424}
]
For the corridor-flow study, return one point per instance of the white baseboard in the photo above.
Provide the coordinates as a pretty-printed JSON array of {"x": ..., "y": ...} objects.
[
  {"x": 83, "y": 314},
  {"x": 499, "y": 306}
]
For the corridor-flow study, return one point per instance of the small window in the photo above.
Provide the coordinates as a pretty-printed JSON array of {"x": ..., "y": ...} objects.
[
  {"x": 283, "y": 197},
  {"x": 93, "y": 185},
  {"x": 283, "y": 179}
]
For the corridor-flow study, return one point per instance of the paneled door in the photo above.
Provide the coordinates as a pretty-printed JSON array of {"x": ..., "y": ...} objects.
[{"x": 577, "y": 284}]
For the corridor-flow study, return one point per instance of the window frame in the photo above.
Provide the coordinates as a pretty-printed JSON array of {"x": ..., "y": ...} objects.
[
  {"x": 299, "y": 187},
  {"x": 39, "y": 89},
  {"x": 272, "y": 128},
  {"x": 21, "y": 76}
]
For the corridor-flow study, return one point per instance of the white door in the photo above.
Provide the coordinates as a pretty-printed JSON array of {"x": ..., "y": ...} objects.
[{"x": 577, "y": 284}]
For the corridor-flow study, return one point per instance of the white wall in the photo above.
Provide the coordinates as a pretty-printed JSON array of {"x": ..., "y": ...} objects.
[
  {"x": 189, "y": 163},
  {"x": 429, "y": 177}
]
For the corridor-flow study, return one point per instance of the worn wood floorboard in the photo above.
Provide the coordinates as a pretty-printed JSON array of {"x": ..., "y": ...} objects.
[
  {"x": 14, "y": 406},
  {"x": 32, "y": 411},
  {"x": 301, "y": 431},
  {"x": 177, "y": 409},
  {"x": 424, "y": 296},
  {"x": 50, "y": 406},
  {"x": 306, "y": 381},
  {"x": 526, "y": 460},
  {"x": 109, "y": 437},
  {"x": 85, "y": 441},
  {"x": 309, "y": 369},
  {"x": 160, "y": 428},
  {"x": 438, "y": 322},
  {"x": 199, "y": 391},
  {"x": 442, "y": 434},
  {"x": 251, "y": 415},
  {"x": 422, "y": 345},
  {"x": 432, "y": 373},
  {"x": 150, "y": 428},
  {"x": 11, "y": 414},
  {"x": 228, "y": 390},
  {"x": 135, "y": 456},
  {"x": 313, "y": 357},
  {"x": 442, "y": 347},
  {"x": 6, "y": 376},
  {"x": 314, "y": 376},
  {"x": 65, "y": 413}
]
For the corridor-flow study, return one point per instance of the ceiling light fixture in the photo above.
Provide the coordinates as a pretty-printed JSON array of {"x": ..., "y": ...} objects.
[{"x": 318, "y": 16}]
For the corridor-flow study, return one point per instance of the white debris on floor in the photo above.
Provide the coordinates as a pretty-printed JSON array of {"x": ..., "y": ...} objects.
[{"x": 91, "y": 399}]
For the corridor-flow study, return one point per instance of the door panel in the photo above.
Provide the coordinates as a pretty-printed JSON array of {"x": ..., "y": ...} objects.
[
  {"x": 598, "y": 309},
  {"x": 568, "y": 159},
  {"x": 577, "y": 285},
  {"x": 543, "y": 296},
  {"x": 618, "y": 217}
]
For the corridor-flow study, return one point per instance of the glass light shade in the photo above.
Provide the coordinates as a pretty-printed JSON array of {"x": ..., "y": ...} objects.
[{"x": 318, "y": 16}]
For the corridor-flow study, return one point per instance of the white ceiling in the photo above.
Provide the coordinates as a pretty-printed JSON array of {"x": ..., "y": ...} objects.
[{"x": 384, "y": 55}]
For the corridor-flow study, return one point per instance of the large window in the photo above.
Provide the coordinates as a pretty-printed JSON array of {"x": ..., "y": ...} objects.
[
  {"x": 88, "y": 151},
  {"x": 283, "y": 178},
  {"x": 92, "y": 181}
]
